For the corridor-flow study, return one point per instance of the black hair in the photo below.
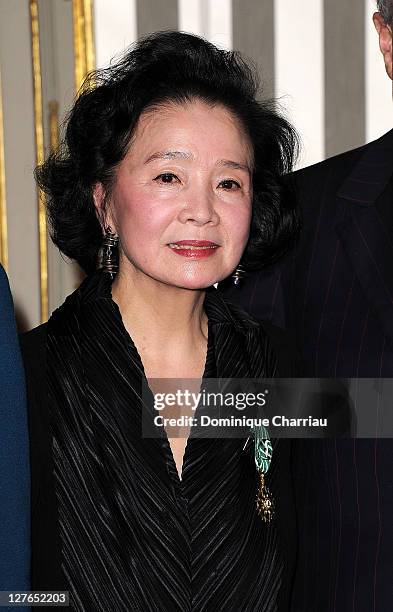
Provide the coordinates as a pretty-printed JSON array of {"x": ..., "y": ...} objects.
[
  {"x": 385, "y": 7},
  {"x": 163, "y": 67}
]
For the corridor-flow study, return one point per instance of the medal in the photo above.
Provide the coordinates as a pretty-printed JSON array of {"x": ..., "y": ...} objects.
[{"x": 263, "y": 451}]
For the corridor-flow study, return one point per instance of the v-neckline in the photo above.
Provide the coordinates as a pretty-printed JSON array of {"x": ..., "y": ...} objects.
[
  {"x": 187, "y": 448},
  {"x": 208, "y": 372}
]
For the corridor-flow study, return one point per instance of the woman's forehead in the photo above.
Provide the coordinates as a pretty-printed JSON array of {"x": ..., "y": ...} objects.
[{"x": 173, "y": 131}]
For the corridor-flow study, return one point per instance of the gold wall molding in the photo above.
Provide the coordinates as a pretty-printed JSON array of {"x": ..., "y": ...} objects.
[
  {"x": 39, "y": 139},
  {"x": 3, "y": 205},
  {"x": 53, "y": 106},
  {"x": 82, "y": 11}
]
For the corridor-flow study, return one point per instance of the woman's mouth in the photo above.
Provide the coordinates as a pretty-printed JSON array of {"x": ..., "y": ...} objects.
[{"x": 194, "y": 248}]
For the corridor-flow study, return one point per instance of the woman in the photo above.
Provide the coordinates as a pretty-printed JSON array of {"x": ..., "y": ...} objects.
[{"x": 174, "y": 168}]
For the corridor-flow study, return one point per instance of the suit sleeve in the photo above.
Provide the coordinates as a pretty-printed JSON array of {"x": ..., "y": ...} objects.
[{"x": 14, "y": 454}]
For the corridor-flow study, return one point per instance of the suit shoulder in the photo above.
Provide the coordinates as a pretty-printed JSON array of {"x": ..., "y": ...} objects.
[
  {"x": 337, "y": 167},
  {"x": 6, "y": 301},
  {"x": 3, "y": 278}
]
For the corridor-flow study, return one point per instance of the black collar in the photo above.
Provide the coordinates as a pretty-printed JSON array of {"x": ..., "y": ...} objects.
[{"x": 220, "y": 312}]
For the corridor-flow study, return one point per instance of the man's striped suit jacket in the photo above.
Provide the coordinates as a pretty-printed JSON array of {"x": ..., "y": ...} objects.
[{"x": 334, "y": 293}]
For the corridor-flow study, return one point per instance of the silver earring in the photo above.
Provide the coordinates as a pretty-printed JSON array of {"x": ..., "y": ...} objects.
[
  {"x": 238, "y": 274},
  {"x": 110, "y": 252}
]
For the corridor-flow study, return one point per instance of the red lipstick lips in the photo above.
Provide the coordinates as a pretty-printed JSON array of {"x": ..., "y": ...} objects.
[{"x": 195, "y": 249}]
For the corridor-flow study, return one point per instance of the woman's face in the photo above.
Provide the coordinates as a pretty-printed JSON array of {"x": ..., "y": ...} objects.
[{"x": 181, "y": 202}]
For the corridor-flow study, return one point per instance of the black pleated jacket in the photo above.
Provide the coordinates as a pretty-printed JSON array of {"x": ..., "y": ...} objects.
[{"x": 111, "y": 521}]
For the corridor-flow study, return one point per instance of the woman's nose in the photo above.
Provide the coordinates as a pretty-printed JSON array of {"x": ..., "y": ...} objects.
[{"x": 199, "y": 208}]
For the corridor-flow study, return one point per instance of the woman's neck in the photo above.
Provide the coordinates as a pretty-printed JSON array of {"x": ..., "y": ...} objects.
[{"x": 167, "y": 324}]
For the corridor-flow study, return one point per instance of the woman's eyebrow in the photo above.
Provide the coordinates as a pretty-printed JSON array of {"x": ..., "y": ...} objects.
[
  {"x": 233, "y": 164},
  {"x": 184, "y": 155},
  {"x": 168, "y": 155}
]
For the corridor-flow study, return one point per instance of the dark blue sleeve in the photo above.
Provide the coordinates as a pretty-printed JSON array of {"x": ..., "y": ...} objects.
[{"x": 14, "y": 454}]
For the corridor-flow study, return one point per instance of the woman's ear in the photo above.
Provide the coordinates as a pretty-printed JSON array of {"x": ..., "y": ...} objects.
[
  {"x": 104, "y": 216},
  {"x": 98, "y": 197}
]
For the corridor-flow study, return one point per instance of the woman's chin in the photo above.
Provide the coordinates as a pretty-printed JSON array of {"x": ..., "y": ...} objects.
[
  {"x": 185, "y": 279},
  {"x": 194, "y": 282}
]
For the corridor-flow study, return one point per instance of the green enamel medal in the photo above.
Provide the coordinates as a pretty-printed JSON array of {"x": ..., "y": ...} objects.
[{"x": 263, "y": 451}]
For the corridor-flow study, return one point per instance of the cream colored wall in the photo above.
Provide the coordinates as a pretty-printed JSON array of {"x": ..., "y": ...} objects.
[
  {"x": 57, "y": 67},
  {"x": 19, "y": 154},
  {"x": 58, "y": 84}
]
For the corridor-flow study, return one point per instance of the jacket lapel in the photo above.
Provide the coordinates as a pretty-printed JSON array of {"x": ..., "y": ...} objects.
[{"x": 362, "y": 233}]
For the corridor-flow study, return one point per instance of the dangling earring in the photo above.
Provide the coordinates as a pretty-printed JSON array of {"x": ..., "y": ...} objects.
[
  {"x": 110, "y": 252},
  {"x": 238, "y": 274}
]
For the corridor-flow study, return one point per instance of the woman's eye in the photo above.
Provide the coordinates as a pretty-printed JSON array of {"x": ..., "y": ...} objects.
[
  {"x": 166, "y": 177},
  {"x": 227, "y": 184}
]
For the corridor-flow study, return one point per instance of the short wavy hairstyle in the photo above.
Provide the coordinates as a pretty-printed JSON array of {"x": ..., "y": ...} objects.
[{"x": 161, "y": 68}]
